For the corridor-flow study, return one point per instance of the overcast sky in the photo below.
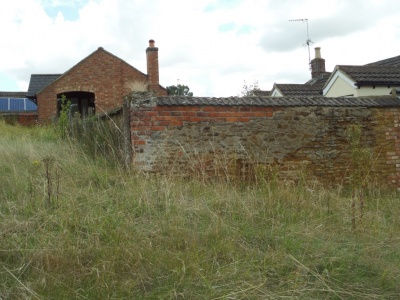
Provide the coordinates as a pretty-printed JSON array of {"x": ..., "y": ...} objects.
[{"x": 212, "y": 46}]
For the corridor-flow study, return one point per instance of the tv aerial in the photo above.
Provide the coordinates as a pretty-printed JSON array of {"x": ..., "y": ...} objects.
[{"x": 308, "y": 41}]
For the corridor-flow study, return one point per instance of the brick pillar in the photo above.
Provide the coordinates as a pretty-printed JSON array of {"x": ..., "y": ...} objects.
[
  {"x": 152, "y": 66},
  {"x": 396, "y": 130},
  {"x": 393, "y": 156},
  {"x": 317, "y": 64}
]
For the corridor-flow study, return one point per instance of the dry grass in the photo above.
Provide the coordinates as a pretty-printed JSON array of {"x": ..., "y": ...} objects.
[
  {"x": 137, "y": 86},
  {"x": 112, "y": 235}
]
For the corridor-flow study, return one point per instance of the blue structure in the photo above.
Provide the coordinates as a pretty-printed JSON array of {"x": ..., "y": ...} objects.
[{"x": 16, "y": 102}]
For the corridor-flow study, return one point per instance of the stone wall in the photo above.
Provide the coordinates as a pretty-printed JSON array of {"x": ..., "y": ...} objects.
[{"x": 171, "y": 135}]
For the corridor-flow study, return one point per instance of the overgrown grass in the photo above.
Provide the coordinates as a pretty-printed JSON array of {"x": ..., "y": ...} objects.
[
  {"x": 80, "y": 228},
  {"x": 99, "y": 138}
]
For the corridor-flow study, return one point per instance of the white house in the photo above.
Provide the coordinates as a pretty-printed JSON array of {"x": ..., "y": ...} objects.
[{"x": 367, "y": 80}]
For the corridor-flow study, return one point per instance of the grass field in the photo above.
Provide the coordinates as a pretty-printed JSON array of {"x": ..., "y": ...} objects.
[{"x": 77, "y": 227}]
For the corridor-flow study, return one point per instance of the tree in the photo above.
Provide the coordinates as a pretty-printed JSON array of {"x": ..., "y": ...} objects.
[
  {"x": 180, "y": 89},
  {"x": 248, "y": 89}
]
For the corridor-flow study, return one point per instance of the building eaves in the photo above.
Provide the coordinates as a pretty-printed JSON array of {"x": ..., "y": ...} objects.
[{"x": 371, "y": 101}]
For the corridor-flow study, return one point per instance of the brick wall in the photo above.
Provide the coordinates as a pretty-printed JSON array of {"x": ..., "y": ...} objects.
[
  {"x": 393, "y": 138},
  {"x": 100, "y": 73},
  {"x": 22, "y": 118},
  {"x": 216, "y": 140},
  {"x": 152, "y": 65}
]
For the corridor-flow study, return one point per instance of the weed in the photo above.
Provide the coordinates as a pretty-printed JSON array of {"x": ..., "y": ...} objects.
[
  {"x": 113, "y": 235},
  {"x": 361, "y": 165},
  {"x": 64, "y": 118}
]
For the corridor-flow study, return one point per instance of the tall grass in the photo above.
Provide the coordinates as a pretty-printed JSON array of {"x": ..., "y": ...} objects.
[
  {"x": 107, "y": 234},
  {"x": 99, "y": 138}
]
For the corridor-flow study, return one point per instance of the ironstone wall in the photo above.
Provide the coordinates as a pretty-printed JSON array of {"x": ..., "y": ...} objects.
[{"x": 241, "y": 136}]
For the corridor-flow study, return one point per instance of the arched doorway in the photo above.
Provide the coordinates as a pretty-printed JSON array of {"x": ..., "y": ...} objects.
[{"x": 81, "y": 102}]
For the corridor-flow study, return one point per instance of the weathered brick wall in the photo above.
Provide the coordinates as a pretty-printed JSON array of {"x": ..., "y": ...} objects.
[
  {"x": 392, "y": 116},
  {"x": 227, "y": 139},
  {"x": 101, "y": 73},
  {"x": 22, "y": 118}
]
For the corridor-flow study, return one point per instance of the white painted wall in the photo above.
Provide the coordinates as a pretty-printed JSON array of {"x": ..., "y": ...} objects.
[
  {"x": 369, "y": 91},
  {"x": 276, "y": 93},
  {"x": 341, "y": 88}
]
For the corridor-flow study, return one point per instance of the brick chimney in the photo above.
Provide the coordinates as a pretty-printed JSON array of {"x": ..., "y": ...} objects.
[
  {"x": 317, "y": 64},
  {"x": 152, "y": 65}
]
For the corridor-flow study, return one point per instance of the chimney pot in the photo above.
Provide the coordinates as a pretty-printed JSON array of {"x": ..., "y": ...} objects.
[
  {"x": 317, "y": 52},
  {"x": 317, "y": 64},
  {"x": 151, "y": 43}
]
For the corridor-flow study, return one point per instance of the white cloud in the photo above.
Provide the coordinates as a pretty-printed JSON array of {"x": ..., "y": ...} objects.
[{"x": 258, "y": 43}]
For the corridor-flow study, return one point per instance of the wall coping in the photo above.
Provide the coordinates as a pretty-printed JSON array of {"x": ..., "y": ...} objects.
[
  {"x": 372, "y": 101},
  {"x": 140, "y": 99}
]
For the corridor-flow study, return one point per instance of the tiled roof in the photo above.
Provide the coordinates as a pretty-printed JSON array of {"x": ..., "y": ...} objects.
[
  {"x": 261, "y": 93},
  {"x": 313, "y": 87},
  {"x": 321, "y": 79},
  {"x": 13, "y": 94},
  {"x": 371, "y": 101},
  {"x": 299, "y": 89},
  {"x": 373, "y": 75},
  {"x": 393, "y": 61},
  {"x": 38, "y": 82}
]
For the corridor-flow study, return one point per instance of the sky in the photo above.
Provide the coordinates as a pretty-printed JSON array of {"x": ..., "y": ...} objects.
[{"x": 212, "y": 46}]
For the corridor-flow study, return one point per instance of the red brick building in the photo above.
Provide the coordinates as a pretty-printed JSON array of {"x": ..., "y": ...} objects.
[{"x": 96, "y": 84}]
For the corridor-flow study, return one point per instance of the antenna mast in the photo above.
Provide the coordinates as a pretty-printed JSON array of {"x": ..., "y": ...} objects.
[{"x": 308, "y": 41}]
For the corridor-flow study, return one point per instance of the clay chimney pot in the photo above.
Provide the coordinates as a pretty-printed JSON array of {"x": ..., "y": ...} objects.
[{"x": 317, "y": 52}]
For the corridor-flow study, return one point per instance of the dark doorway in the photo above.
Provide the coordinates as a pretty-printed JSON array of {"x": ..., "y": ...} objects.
[{"x": 81, "y": 102}]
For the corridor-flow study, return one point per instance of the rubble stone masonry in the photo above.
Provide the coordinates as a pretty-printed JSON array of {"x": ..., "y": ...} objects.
[{"x": 185, "y": 138}]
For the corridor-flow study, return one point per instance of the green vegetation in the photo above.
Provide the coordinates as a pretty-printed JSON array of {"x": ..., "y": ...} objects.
[
  {"x": 63, "y": 120},
  {"x": 74, "y": 226},
  {"x": 179, "y": 90}
]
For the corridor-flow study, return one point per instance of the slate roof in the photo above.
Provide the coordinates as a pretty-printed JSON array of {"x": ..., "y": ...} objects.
[
  {"x": 372, "y": 75},
  {"x": 371, "y": 101},
  {"x": 38, "y": 82},
  {"x": 392, "y": 61},
  {"x": 13, "y": 94},
  {"x": 299, "y": 89}
]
